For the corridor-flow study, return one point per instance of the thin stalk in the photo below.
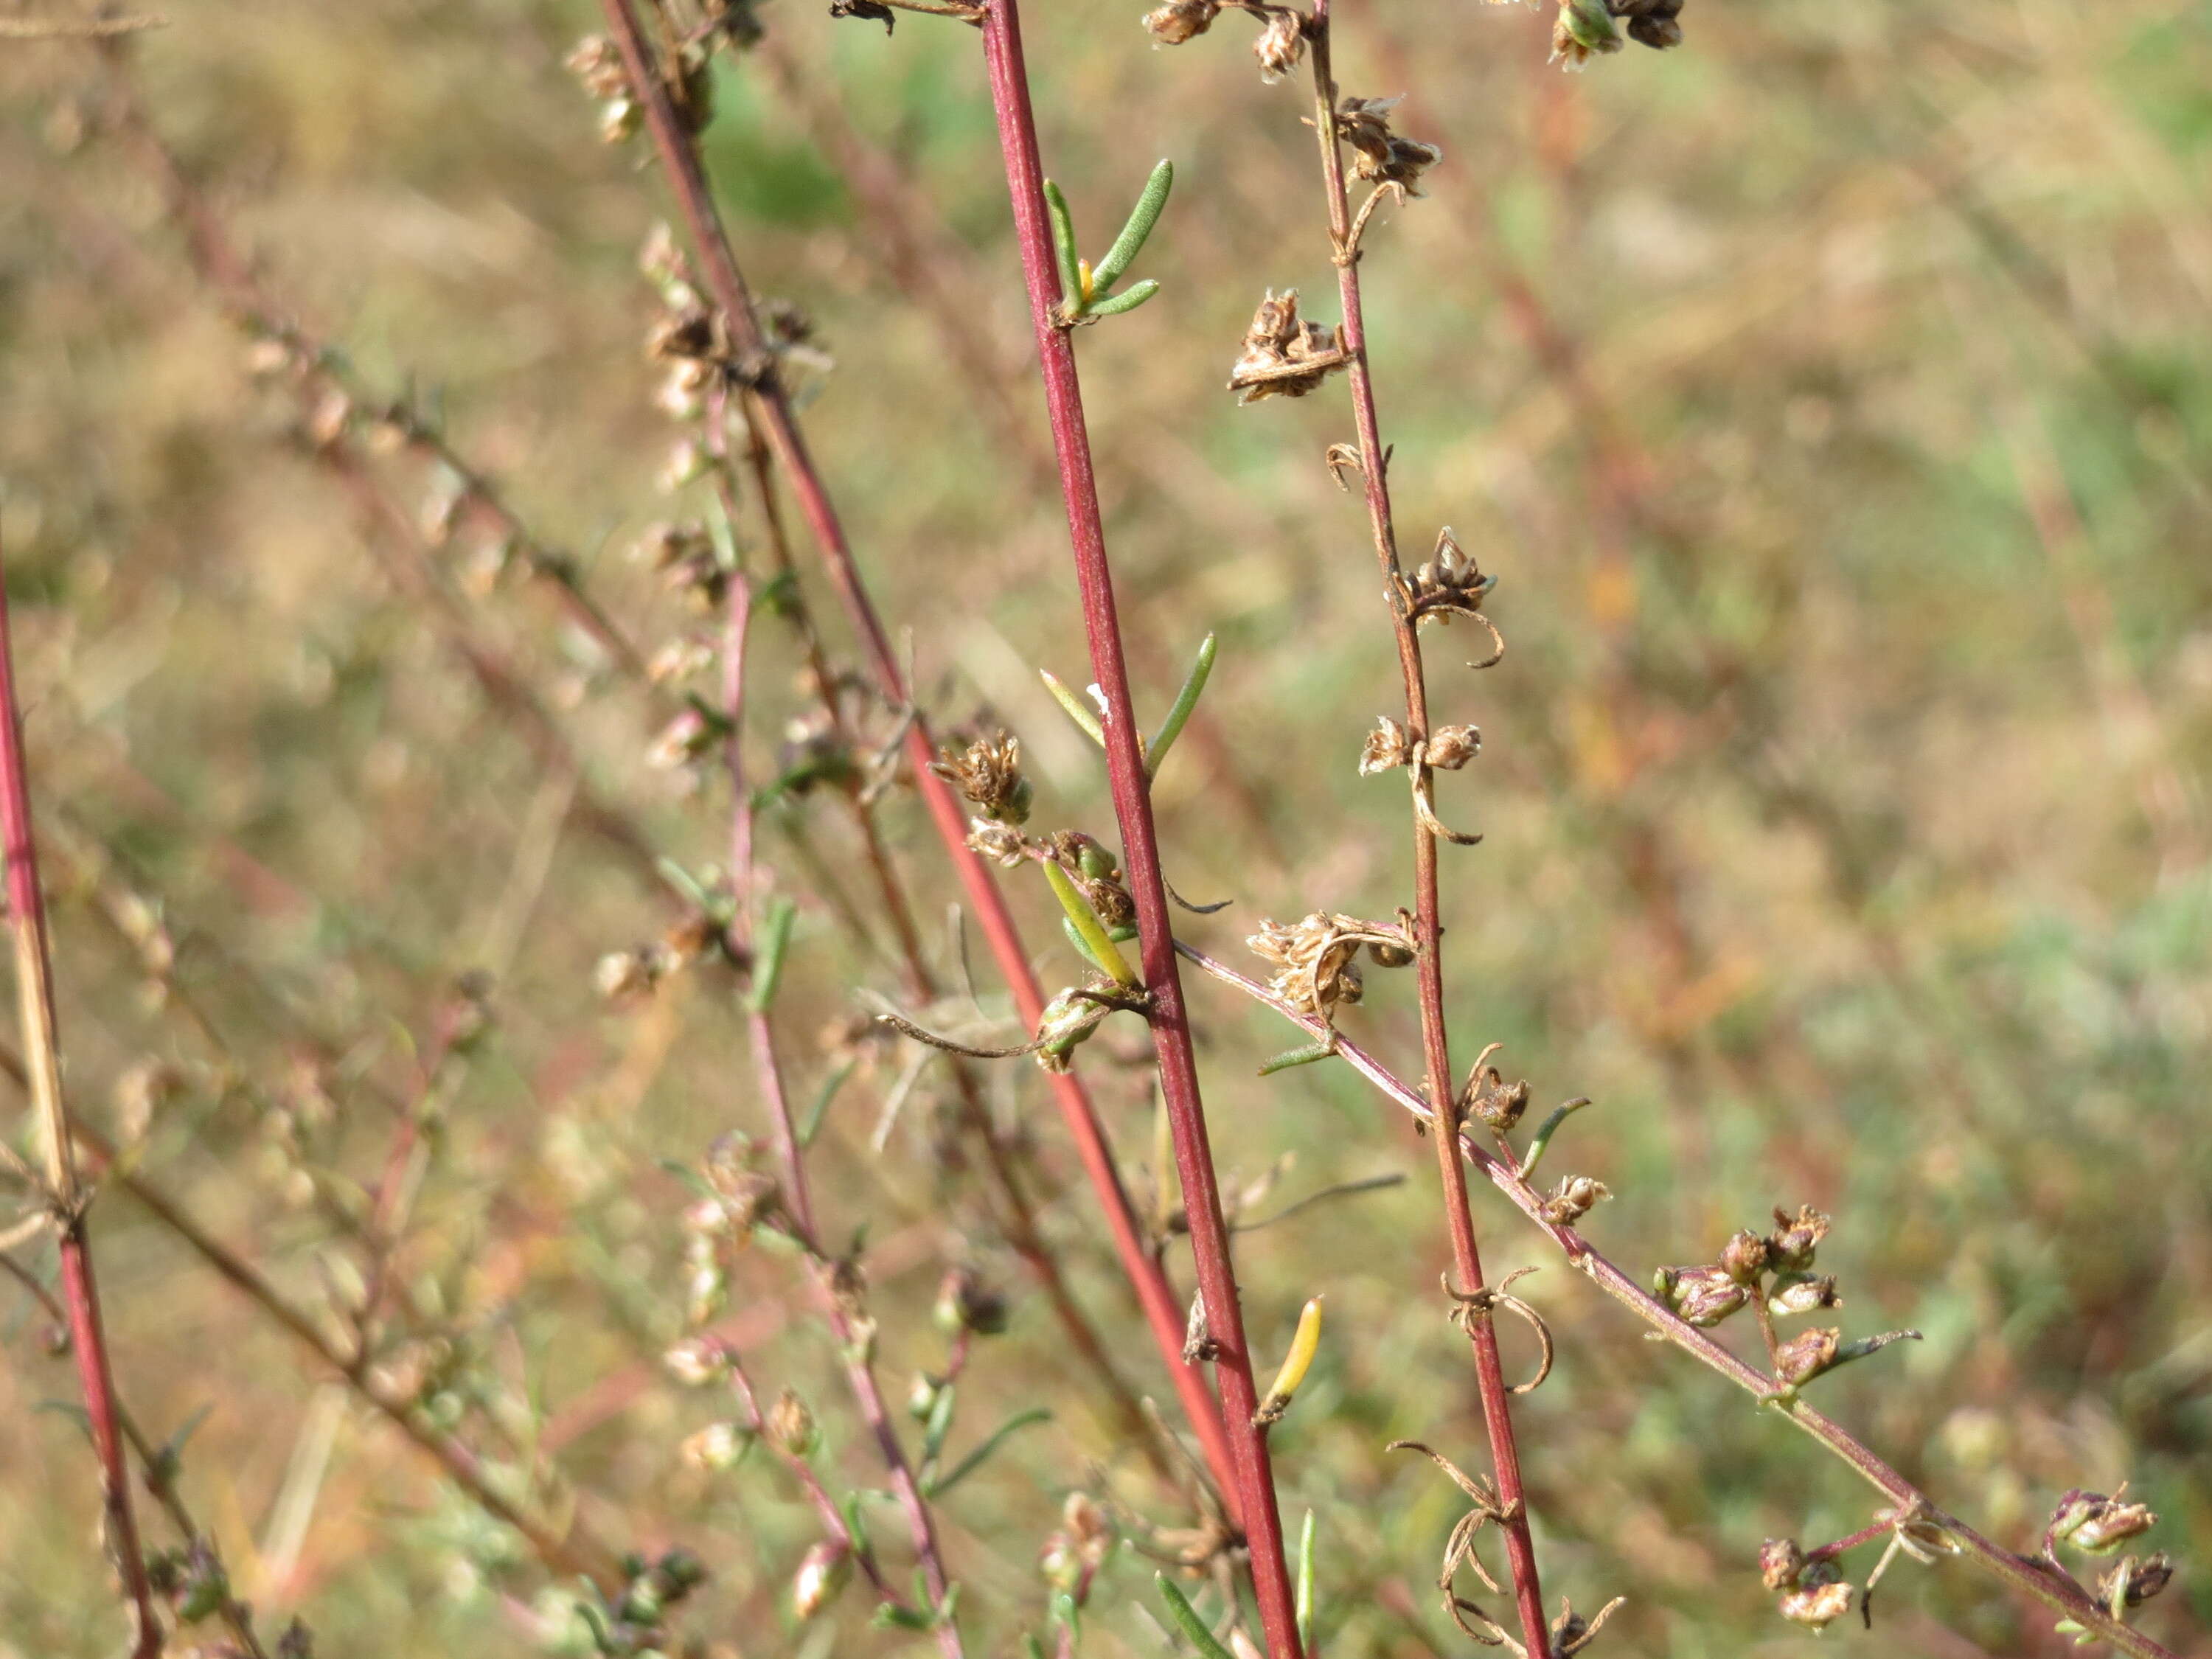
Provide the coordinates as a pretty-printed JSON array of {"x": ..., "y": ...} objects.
[
  {"x": 1132, "y": 809},
  {"x": 725, "y": 285},
  {"x": 2026, "y": 1574},
  {"x": 566, "y": 1554},
  {"x": 1374, "y": 469},
  {"x": 34, "y": 993},
  {"x": 1020, "y": 1224},
  {"x": 797, "y": 1195}
]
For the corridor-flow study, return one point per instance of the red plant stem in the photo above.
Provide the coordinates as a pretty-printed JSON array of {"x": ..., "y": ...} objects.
[
  {"x": 1133, "y": 811},
  {"x": 2025, "y": 1573},
  {"x": 1467, "y": 1258},
  {"x": 797, "y": 1195},
  {"x": 34, "y": 990},
  {"x": 726, "y": 285}
]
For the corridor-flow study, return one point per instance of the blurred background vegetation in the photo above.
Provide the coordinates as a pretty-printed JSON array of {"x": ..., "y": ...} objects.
[{"x": 1832, "y": 397}]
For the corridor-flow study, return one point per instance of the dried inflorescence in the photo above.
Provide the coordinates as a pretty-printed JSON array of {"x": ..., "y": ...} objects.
[
  {"x": 1450, "y": 585},
  {"x": 1179, "y": 21},
  {"x": 1283, "y": 356},
  {"x": 1586, "y": 28},
  {"x": 1281, "y": 45},
  {"x": 1380, "y": 154},
  {"x": 988, "y": 772},
  {"x": 1317, "y": 958},
  {"x": 1574, "y": 1198}
]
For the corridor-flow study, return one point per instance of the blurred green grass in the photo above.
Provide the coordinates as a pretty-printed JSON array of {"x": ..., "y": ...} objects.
[{"x": 1843, "y": 790}]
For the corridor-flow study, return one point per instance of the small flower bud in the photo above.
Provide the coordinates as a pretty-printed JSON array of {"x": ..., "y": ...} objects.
[
  {"x": 1703, "y": 1295},
  {"x": 822, "y": 1573},
  {"x": 792, "y": 1429},
  {"x": 1780, "y": 1562},
  {"x": 1067, "y": 1022},
  {"x": 1817, "y": 1606},
  {"x": 1574, "y": 1198},
  {"x": 2133, "y": 1582},
  {"x": 717, "y": 1447},
  {"x": 1745, "y": 1257},
  {"x": 1800, "y": 1293},
  {"x": 963, "y": 1305},
  {"x": 921, "y": 1397},
  {"x": 696, "y": 1361},
  {"x": 1450, "y": 747},
  {"x": 1804, "y": 1357},
  {"x": 1001, "y": 842},
  {"x": 2107, "y": 1523},
  {"x": 683, "y": 740}
]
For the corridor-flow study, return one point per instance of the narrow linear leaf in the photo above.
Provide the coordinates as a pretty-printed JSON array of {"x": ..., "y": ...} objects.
[
  {"x": 820, "y": 1109},
  {"x": 768, "y": 965},
  {"x": 1142, "y": 217},
  {"x": 1136, "y": 295},
  {"x": 1098, "y": 945},
  {"x": 1193, "y": 686},
  {"x": 1559, "y": 1116},
  {"x": 1188, "y": 1621},
  {"x": 975, "y": 1459},
  {"x": 1073, "y": 704},
  {"x": 1063, "y": 248}
]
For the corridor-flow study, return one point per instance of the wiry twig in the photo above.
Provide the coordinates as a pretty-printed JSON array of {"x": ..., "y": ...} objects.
[{"x": 2047, "y": 1585}]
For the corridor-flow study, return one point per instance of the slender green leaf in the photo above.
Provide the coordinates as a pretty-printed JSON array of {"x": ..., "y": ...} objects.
[
  {"x": 1137, "y": 295},
  {"x": 1131, "y": 242},
  {"x": 1306, "y": 1580},
  {"x": 769, "y": 949},
  {"x": 1063, "y": 248},
  {"x": 1188, "y": 1621},
  {"x": 975, "y": 1459},
  {"x": 1559, "y": 1116},
  {"x": 1193, "y": 686},
  {"x": 820, "y": 1109},
  {"x": 1098, "y": 947}
]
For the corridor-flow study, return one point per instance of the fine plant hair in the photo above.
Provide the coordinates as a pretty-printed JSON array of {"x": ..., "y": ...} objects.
[{"x": 763, "y": 1232}]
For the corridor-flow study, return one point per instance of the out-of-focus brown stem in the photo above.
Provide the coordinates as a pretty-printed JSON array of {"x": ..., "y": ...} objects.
[
  {"x": 725, "y": 285},
  {"x": 1374, "y": 468},
  {"x": 1023, "y": 1233},
  {"x": 797, "y": 1192},
  {"x": 34, "y": 994},
  {"x": 1130, "y": 779},
  {"x": 2024, "y": 1573}
]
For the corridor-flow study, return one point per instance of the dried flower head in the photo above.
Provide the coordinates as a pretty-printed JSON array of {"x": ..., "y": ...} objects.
[
  {"x": 1387, "y": 746},
  {"x": 1574, "y": 1198},
  {"x": 1450, "y": 747},
  {"x": 2132, "y": 1582},
  {"x": 988, "y": 772},
  {"x": 1281, "y": 44},
  {"x": 1001, "y": 842},
  {"x": 1317, "y": 958},
  {"x": 1378, "y": 154},
  {"x": 1491, "y": 1098},
  {"x": 1780, "y": 1562},
  {"x": 1179, "y": 21},
  {"x": 1284, "y": 357},
  {"x": 687, "y": 738},
  {"x": 1067, "y": 1022},
  {"x": 1795, "y": 1237},
  {"x": 1450, "y": 584},
  {"x": 629, "y": 976},
  {"x": 1805, "y": 1356}
]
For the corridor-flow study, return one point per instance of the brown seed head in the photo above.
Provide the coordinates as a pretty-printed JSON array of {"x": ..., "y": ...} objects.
[
  {"x": 1378, "y": 154},
  {"x": 2132, "y": 1582},
  {"x": 1795, "y": 1237},
  {"x": 1746, "y": 1256},
  {"x": 1574, "y": 1198},
  {"x": 2110, "y": 1523},
  {"x": 1800, "y": 1293},
  {"x": 792, "y": 1429},
  {"x": 1705, "y": 1296},
  {"x": 988, "y": 772},
  {"x": 1817, "y": 1606},
  {"x": 1450, "y": 747},
  {"x": 1284, "y": 357},
  {"x": 1387, "y": 746},
  {"x": 1281, "y": 44}
]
